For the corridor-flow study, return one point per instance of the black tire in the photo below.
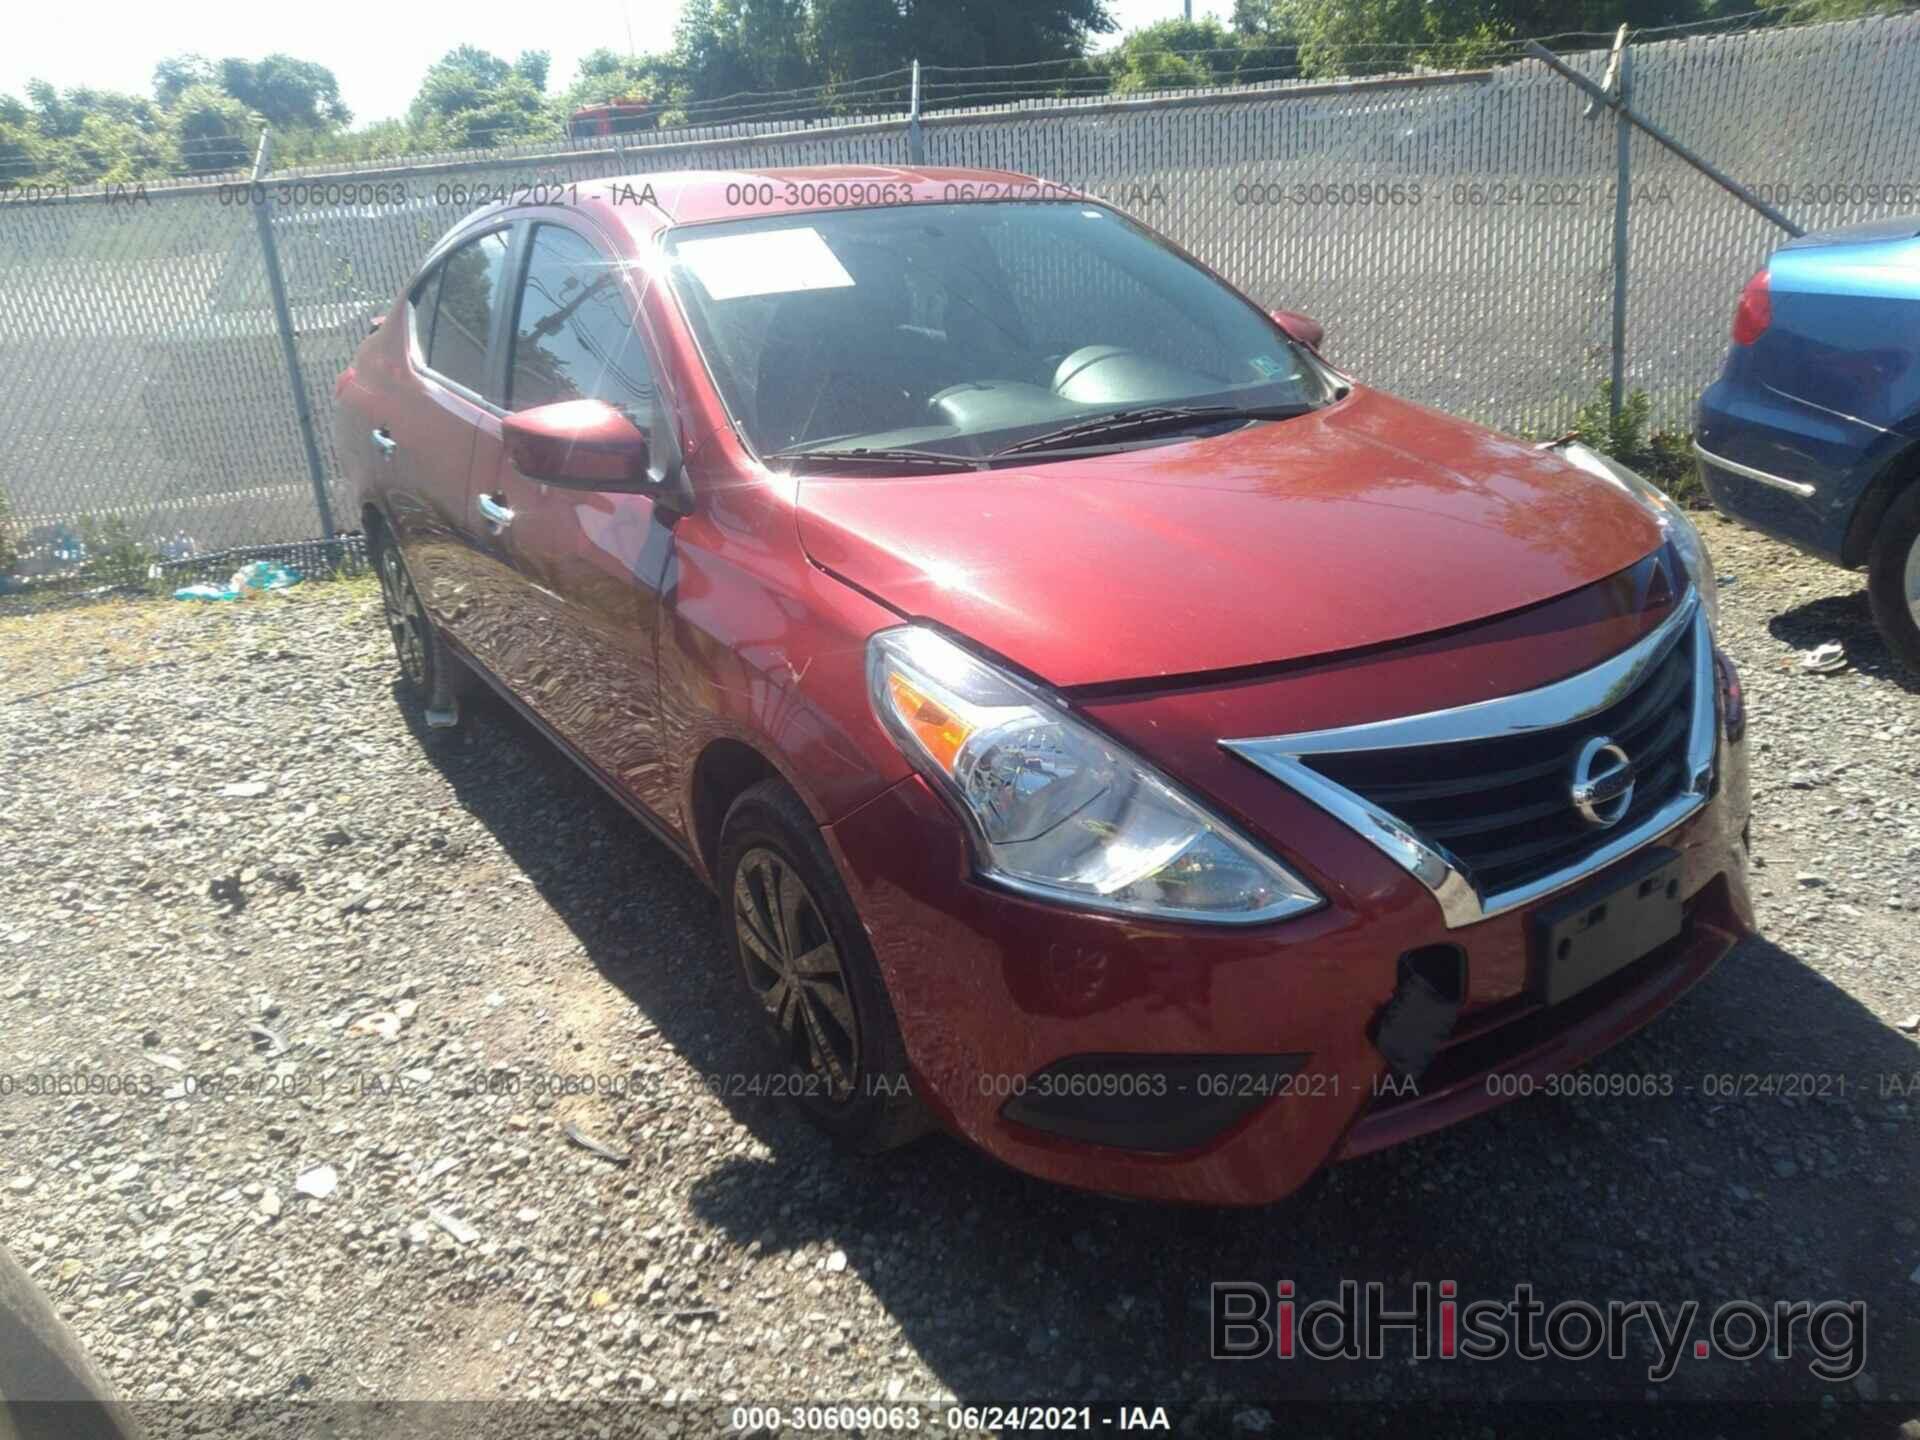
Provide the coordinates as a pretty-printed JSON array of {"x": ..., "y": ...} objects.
[
  {"x": 833, "y": 1037},
  {"x": 1893, "y": 578},
  {"x": 428, "y": 677}
]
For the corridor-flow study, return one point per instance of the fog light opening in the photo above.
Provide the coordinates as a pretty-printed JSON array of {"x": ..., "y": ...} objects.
[{"x": 1411, "y": 1027}]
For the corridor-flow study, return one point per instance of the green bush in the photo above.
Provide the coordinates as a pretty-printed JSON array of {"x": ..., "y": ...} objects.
[
  {"x": 9, "y": 552},
  {"x": 1663, "y": 456},
  {"x": 114, "y": 555}
]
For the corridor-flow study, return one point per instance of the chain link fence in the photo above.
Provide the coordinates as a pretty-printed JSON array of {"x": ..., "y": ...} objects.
[{"x": 1454, "y": 232}]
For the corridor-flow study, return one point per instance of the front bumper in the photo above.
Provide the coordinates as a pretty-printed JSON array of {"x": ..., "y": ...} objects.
[{"x": 990, "y": 989}]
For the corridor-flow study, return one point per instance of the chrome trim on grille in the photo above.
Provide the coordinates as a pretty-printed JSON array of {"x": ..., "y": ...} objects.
[
  {"x": 1765, "y": 477},
  {"x": 1561, "y": 703}
]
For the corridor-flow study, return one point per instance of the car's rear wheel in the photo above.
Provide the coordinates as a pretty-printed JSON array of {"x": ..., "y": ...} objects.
[
  {"x": 426, "y": 669},
  {"x": 811, "y": 976},
  {"x": 1893, "y": 577}
]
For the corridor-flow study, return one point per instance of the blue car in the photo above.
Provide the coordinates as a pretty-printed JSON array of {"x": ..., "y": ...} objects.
[{"x": 1812, "y": 431}]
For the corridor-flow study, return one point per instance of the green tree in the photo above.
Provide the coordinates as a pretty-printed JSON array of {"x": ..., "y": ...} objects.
[
  {"x": 511, "y": 113},
  {"x": 462, "y": 79},
  {"x": 1269, "y": 41},
  {"x": 532, "y": 67},
  {"x": 1802, "y": 11},
  {"x": 473, "y": 99},
  {"x": 112, "y": 151},
  {"x": 1002, "y": 32},
  {"x": 1173, "y": 55},
  {"x": 203, "y": 118},
  {"x": 177, "y": 74},
  {"x": 285, "y": 92},
  {"x": 605, "y": 75},
  {"x": 83, "y": 135},
  {"x": 215, "y": 131},
  {"x": 381, "y": 140},
  {"x": 23, "y": 149},
  {"x": 727, "y": 47},
  {"x": 856, "y": 38},
  {"x": 1254, "y": 20},
  {"x": 52, "y": 116},
  {"x": 1349, "y": 37}
]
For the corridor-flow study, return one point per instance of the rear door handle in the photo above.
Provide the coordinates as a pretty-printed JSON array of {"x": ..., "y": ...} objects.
[
  {"x": 496, "y": 513},
  {"x": 385, "y": 443}
]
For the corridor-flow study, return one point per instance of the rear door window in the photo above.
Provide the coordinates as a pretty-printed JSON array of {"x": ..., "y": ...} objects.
[{"x": 463, "y": 319}]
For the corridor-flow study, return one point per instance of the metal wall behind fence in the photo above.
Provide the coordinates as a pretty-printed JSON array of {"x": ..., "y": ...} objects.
[
  {"x": 1455, "y": 234},
  {"x": 136, "y": 380}
]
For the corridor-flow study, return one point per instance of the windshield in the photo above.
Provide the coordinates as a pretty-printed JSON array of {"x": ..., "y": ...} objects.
[{"x": 961, "y": 329}]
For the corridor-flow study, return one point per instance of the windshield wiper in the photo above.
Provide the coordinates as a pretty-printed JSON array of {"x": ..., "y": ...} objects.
[
  {"x": 862, "y": 455},
  {"x": 1146, "y": 420}
]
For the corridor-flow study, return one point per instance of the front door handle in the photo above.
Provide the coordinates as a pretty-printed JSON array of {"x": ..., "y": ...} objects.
[
  {"x": 385, "y": 443},
  {"x": 497, "y": 514}
]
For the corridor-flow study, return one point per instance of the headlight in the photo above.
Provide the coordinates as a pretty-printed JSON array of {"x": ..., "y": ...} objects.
[
  {"x": 1673, "y": 520},
  {"x": 1057, "y": 809}
]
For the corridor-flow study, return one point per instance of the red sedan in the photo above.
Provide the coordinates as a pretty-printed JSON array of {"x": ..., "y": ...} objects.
[{"x": 1115, "y": 734}]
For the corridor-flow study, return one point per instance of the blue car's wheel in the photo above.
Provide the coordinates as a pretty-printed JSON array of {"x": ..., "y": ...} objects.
[{"x": 1893, "y": 581}]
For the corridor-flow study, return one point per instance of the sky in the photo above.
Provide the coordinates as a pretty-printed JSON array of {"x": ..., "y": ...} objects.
[{"x": 377, "y": 49}]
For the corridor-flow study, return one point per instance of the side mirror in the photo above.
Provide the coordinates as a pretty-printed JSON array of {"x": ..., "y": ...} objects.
[
  {"x": 1308, "y": 332},
  {"x": 582, "y": 444}
]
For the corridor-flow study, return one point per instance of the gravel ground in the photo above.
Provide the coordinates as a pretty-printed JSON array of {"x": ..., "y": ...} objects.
[{"x": 325, "y": 994}]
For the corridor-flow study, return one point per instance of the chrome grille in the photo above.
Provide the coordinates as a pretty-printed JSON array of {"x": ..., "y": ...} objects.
[
  {"x": 1476, "y": 802},
  {"x": 1500, "y": 806}
]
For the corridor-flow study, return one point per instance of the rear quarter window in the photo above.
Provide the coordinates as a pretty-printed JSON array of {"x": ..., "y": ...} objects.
[{"x": 420, "y": 314}]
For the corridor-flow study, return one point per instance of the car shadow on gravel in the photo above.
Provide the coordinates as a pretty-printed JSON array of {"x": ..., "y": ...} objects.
[
  {"x": 1848, "y": 619},
  {"x": 1787, "y": 1185},
  {"x": 1790, "y": 1185}
]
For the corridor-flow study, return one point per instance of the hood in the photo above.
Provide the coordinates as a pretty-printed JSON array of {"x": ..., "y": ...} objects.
[{"x": 1369, "y": 521}]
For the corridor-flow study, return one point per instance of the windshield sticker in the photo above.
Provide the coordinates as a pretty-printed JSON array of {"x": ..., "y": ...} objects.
[
  {"x": 767, "y": 262},
  {"x": 1270, "y": 368}
]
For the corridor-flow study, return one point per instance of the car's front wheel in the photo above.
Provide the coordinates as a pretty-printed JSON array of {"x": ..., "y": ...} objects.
[
  {"x": 1893, "y": 578},
  {"x": 811, "y": 975}
]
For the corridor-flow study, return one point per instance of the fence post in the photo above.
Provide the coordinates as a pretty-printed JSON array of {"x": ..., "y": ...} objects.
[
  {"x": 1624, "y": 133},
  {"x": 1724, "y": 181},
  {"x": 283, "y": 320},
  {"x": 916, "y": 143}
]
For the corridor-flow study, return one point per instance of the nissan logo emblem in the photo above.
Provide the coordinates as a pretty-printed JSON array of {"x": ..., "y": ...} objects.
[{"x": 1602, "y": 783}]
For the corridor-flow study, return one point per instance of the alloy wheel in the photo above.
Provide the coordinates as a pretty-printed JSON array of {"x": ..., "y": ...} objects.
[
  {"x": 793, "y": 966},
  {"x": 405, "y": 622},
  {"x": 1912, "y": 580}
]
